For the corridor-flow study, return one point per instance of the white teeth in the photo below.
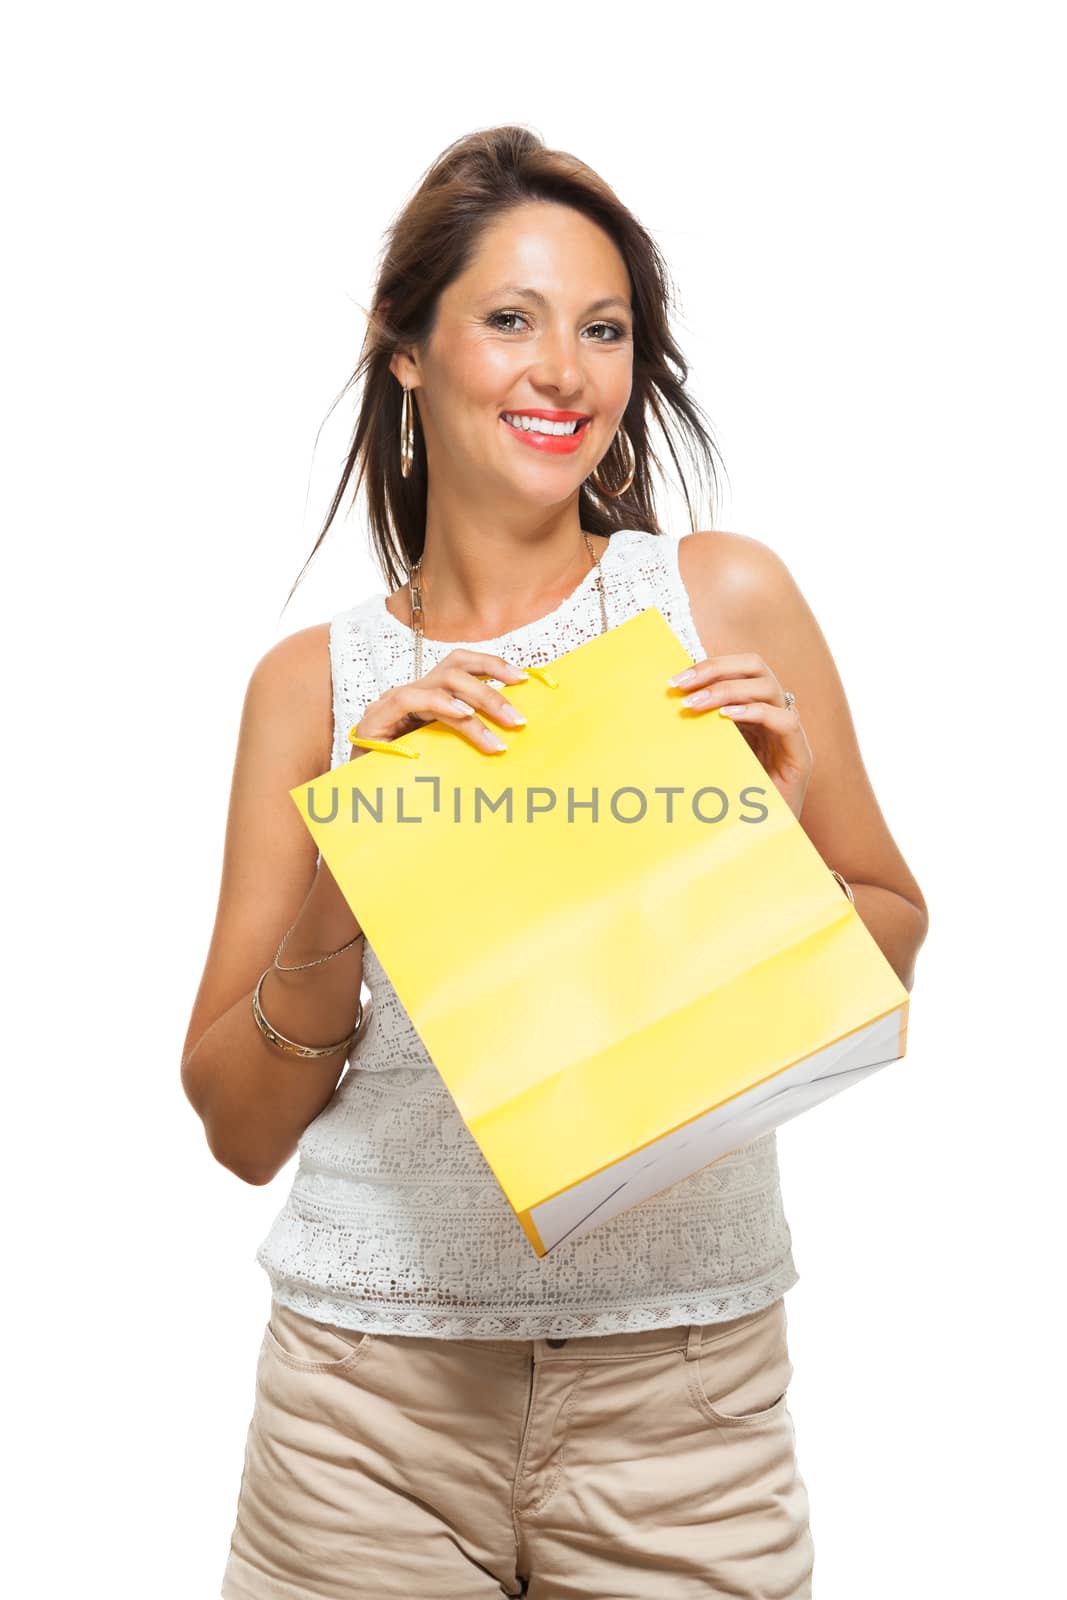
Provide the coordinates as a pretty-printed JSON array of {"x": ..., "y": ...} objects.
[{"x": 539, "y": 424}]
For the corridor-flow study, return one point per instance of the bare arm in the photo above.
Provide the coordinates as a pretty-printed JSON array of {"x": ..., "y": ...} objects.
[
  {"x": 253, "y": 1099},
  {"x": 744, "y": 598}
]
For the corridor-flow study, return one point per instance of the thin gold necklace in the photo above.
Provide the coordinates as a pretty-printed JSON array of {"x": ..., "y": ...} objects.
[{"x": 414, "y": 578}]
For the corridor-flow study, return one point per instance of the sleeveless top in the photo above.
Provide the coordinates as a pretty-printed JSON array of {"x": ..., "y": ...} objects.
[{"x": 395, "y": 1222}]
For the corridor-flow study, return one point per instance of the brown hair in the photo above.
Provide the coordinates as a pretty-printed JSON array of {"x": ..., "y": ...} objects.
[{"x": 432, "y": 241}]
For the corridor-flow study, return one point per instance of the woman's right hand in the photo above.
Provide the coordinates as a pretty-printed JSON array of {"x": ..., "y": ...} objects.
[{"x": 451, "y": 692}]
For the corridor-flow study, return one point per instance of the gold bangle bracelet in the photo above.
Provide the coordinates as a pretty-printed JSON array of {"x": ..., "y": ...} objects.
[
  {"x": 290, "y": 1046},
  {"x": 844, "y": 885}
]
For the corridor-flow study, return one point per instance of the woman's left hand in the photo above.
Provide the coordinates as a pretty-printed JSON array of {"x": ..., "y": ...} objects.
[{"x": 744, "y": 688}]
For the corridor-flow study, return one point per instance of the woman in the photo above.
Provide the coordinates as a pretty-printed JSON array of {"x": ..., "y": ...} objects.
[{"x": 438, "y": 1411}]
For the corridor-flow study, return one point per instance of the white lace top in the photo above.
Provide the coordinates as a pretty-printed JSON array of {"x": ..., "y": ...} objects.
[{"x": 394, "y": 1222}]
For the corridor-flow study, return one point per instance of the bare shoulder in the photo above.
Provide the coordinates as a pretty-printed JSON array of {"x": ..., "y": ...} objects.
[
  {"x": 301, "y": 659},
  {"x": 736, "y": 585},
  {"x": 290, "y": 691}
]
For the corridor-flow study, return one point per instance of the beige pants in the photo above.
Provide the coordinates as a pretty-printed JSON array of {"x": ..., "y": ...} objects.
[{"x": 634, "y": 1466}]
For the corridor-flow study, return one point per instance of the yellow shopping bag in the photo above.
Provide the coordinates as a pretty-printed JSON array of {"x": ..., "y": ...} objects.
[{"x": 618, "y": 945}]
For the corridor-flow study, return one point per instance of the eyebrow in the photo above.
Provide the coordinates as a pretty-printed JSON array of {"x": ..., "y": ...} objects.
[{"x": 539, "y": 299}]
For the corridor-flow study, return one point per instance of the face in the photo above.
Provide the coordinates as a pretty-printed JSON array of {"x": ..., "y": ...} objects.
[{"x": 540, "y": 322}]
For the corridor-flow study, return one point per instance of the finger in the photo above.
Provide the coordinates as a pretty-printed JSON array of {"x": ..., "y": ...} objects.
[
  {"x": 422, "y": 701},
  {"x": 490, "y": 702},
  {"x": 480, "y": 664},
  {"x": 448, "y": 708},
  {"x": 746, "y": 665},
  {"x": 786, "y": 724},
  {"x": 730, "y": 689}
]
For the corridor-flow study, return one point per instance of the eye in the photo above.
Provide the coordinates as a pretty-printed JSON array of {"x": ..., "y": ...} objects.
[
  {"x": 492, "y": 319},
  {"x": 620, "y": 333}
]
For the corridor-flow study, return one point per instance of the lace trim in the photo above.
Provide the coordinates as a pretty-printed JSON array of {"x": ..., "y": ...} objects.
[{"x": 550, "y": 1322}]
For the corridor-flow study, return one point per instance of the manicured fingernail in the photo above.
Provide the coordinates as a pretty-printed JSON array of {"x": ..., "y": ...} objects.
[
  {"x": 731, "y": 711},
  {"x": 681, "y": 677},
  {"x": 700, "y": 698}
]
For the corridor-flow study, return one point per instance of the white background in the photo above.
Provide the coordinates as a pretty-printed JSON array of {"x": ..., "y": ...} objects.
[{"x": 859, "y": 206}]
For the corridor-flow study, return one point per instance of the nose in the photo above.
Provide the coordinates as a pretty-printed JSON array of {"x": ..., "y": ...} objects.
[{"x": 558, "y": 366}]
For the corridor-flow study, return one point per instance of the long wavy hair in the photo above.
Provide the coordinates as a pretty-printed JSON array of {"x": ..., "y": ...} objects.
[{"x": 432, "y": 241}]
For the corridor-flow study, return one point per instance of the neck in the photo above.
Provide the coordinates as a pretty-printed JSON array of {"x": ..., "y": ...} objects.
[{"x": 478, "y": 576}]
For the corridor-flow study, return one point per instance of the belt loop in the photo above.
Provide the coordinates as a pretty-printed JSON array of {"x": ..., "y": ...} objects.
[{"x": 695, "y": 1341}]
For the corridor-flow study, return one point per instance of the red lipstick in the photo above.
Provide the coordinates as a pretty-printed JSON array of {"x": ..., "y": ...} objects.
[{"x": 553, "y": 443}]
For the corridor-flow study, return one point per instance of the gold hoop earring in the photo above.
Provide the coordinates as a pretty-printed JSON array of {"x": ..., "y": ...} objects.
[
  {"x": 613, "y": 494},
  {"x": 407, "y": 434}
]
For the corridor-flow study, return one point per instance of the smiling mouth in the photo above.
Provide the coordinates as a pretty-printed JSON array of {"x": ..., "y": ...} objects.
[{"x": 545, "y": 427}]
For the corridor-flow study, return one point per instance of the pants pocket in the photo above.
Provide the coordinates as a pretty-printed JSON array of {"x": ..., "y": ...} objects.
[
  {"x": 742, "y": 1374},
  {"x": 308, "y": 1345}
]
